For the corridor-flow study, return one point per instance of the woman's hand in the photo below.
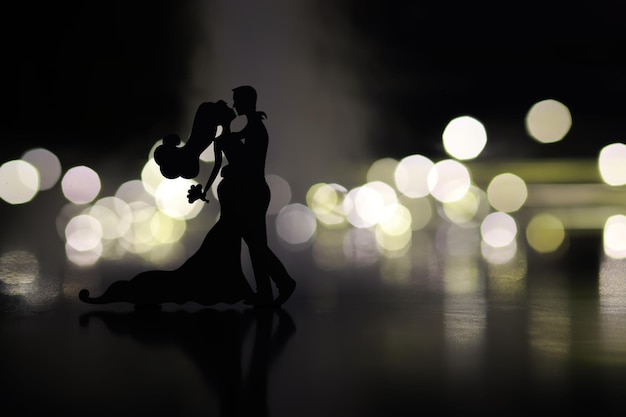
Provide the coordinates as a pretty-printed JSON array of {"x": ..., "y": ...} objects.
[{"x": 195, "y": 193}]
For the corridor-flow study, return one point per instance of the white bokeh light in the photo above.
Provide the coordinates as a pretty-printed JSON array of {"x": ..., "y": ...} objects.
[
  {"x": 548, "y": 121},
  {"x": 19, "y": 181},
  {"x": 464, "y": 138},
  {"x": 498, "y": 229},
  {"x": 612, "y": 164},
  {"x": 411, "y": 175},
  {"x": 280, "y": 193},
  {"x": 171, "y": 199},
  {"x": 81, "y": 184},
  {"x": 83, "y": 233},
  {"x": 48, "y": 165},
  {"x": 448, "y": 180},
  {"x": 296, "y": 224},
  {"x": 614, "y": 237}
]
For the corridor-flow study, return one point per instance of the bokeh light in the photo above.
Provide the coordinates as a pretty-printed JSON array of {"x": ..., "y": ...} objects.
[
  {"x": 81, "y": 184},
  {"x": 411, "y": 175},
  {"x": 327, "y": 203},
  {"x": 498, "y": 255},
  {"x": 113, "y": 214},
  {"x": 545, "y": 233},
  {"x": 365, "y": 205},
  {"x": 296, "y": 224},
  {"x": 83, "y": 232},
  {"x": 48, "y": 165},
  {"x": 382, "y": 170},
  {"x": 473, "y": 205},
  {"x": 171, "y": 199},
  {"x": 421, "y": 210},
  {"x": 507, "y": 192},
  {"x": 19, "y": 181},
  {"x": 464, "y": 138},
  {"x": 448, "y": 180},
  {"x": 614, "y": 237},
  {"x": 612, "y": 164},
  {"x": 151, "y": 176},
  {"x": 280, "y": 193},
  {"x": 548, "y": 121},
  {"x": 166, "y": 229},
  {"x": 498, "y": 229},
  {"x": 393, "y": 231}
]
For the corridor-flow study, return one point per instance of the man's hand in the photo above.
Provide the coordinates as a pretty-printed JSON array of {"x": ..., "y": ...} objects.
[{"x": 195, "y": 193}]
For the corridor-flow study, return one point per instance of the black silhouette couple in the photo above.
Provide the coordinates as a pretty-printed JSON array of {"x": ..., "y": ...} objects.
[{"x": 214, "y": 273}]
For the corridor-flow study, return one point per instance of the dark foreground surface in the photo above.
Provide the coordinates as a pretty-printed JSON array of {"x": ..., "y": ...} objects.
[{"x": 462, "y": 338}]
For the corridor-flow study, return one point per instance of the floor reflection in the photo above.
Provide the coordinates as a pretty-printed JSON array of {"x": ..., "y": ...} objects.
[{"x": 215, "y": 341}]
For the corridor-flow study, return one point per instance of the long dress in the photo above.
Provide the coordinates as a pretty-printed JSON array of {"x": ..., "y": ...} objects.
[{"x": 212, "y": 275}]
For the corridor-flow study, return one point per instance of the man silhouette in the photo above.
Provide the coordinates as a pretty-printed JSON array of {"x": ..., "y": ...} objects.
[{"x": 249, "y": 148}]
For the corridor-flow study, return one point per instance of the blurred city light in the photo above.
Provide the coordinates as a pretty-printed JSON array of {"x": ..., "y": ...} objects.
[
  {"x": 545, "y": 233},
  {"x": 612, "y": 164},
  {"x": 507, "y": 192},
  {"x": 19, "y": 181},
  {"x": 48, "y": 165},
  {"x": 448, "y": 180},
  {"x": 548, "y": 121},
  {"x": 81, "y": 184},
  {"x": 464, "y": 138}
]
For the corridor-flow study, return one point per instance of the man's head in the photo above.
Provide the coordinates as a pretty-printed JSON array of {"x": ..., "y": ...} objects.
[{"x": 244, "y": 99}]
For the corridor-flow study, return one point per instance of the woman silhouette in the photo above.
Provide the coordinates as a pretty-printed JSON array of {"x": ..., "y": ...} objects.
[{"x": 213, "y": 274}]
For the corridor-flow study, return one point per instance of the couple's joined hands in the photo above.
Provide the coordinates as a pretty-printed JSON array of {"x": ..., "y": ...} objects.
[{"x": 195, "y": 193}]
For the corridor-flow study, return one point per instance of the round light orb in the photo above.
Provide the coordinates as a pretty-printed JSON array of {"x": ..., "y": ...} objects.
[
  {"x": 548, "y": 121},
  {"x": 464, "y": 138}
]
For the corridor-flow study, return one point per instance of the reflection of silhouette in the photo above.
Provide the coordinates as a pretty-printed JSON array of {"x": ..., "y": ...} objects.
[
  {"x": 213, "y": 340},
  {"x": 244, "y": 197}
]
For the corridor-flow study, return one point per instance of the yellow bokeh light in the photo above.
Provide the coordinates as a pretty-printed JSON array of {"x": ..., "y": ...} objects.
[
  {"x": 171, "y": 199},
  {"x": 421, "y": 210},
  {"x": 166, "y": 229},
  {"x": 327, "y": 203},
  {"x": 464, "y": 138},
  {"x": 545, "y": 233},
  {"x": 507, "y": 192},
  {"x": 396, "y": 220},
  {"x": 548, "y": 121},
  {"x": 612, "y": 164},
  {"x": 382, "y": 170},
  {"x": 467, "y": 208}
]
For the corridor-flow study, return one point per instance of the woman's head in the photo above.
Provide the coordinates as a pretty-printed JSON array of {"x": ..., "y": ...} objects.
[{"x": 223, "y": 114}]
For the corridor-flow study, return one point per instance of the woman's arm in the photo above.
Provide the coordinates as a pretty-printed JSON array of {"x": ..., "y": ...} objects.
[{"x": 216, "y": 167}]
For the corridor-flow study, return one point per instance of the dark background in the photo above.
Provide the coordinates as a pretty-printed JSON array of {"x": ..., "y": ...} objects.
[{"x": 96, "y": 76}]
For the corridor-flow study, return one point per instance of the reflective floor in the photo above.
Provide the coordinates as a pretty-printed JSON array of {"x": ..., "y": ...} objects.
[{"x": 422, "y": 334}]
